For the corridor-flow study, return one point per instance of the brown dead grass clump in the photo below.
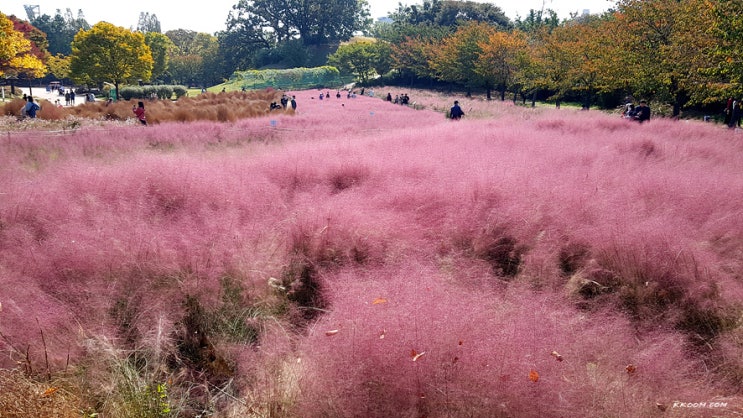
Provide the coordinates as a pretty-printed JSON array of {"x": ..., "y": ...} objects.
[
  {"x": 216, "y": 107},
  {"x": 22, "y": 396}
]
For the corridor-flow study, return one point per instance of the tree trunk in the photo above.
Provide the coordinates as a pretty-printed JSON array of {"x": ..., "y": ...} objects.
[
  {"x": 489, "y": 95},
  {"x": 503, "y": 93},
  {"x": 534, "y": 99},
  {"x": 116, "y": 86}
]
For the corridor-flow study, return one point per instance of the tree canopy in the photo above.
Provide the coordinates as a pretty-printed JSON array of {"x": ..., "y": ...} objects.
[
  {"x": 60, "y": 29},
  {"x": 109, "y": 53},
  {"x": 16, "y": 53}
]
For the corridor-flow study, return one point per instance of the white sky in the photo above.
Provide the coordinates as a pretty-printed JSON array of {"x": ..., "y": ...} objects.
[{"x": 209, "y": 16}]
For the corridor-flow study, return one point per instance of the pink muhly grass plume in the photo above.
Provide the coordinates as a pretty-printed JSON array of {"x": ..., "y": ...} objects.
[
  {"x": 521, "y": 234},
  {"x": 404, "y": 341}
]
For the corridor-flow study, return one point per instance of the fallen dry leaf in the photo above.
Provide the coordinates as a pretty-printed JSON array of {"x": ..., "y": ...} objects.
[
  {"x": 332, "y": 332},
  {"x": 49, "y": 391},
  {"x": 533, "y": 376},
  {"x": 416, "y": 355},
  {"x": 377, "y": 301}
]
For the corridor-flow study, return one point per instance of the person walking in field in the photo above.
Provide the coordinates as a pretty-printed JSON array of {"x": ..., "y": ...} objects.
[
  {"x": 456, "y": 112},
  {"x": 139, "y": 112},
  {"x": 294, "y": 103},
  {"x": 728, "y": 111},
  {"x": 735, "y": 115}
]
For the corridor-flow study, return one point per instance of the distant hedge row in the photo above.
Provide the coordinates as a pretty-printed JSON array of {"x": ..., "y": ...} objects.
[
  {"x": 325, "y": 76},
  {"x": 147, "y": 92}
]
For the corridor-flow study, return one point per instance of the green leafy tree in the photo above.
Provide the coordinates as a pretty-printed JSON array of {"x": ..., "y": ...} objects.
[
  {"x": 160, "y": 46},
  {"x": 109, "y": 53},
  {"x": 148, "y": 23},
  {"x": 60, "y": 29},
  {"x": 450, "y": 13},
  {"x": 364, "y": 58},
  {"x": 537, "y": 19},
  {"x": 313, "y": 21}
]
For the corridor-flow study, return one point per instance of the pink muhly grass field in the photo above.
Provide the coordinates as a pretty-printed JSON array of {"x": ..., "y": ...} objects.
[{"x": 486, "y": 244}]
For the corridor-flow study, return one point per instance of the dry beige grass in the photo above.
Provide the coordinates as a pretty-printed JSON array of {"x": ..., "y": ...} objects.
[
  {"x": 222, "y": 107},
  {"x": 21, "y": 396}
]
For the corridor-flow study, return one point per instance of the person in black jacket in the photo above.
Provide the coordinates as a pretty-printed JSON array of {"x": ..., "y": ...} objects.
[
  {"x": 643, "y": 112},
  {"x": 456, "y": 112}
]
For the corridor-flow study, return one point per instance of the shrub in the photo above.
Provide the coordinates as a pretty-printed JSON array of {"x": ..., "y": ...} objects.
[{"x": 180, "y": 91}]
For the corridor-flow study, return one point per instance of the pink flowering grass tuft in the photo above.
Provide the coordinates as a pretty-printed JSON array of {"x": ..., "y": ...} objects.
[
  {"x": 405, "y": 341},
  {"x": 274, "y": 253}
]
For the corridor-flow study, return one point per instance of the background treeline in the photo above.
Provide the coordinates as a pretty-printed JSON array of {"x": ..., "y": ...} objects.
[{"x": 681, "y": 53}]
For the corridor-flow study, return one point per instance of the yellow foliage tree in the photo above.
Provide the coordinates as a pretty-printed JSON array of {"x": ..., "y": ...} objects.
[
  {"x": 15, "y": 53},
  {"x": 110, "y": 53},
  {"x": 501, "y": 57}
]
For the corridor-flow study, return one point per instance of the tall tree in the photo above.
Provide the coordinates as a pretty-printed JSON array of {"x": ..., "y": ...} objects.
[
  {"x": 148, "y": 23},
  {"x": 537, "y": 19},
  {"x": 313, "y": 21},
  {"x": 60, "y": 29},
  {"x": 451, "y": 13},
  {"x": 160, "y": 46},
  {"x": 110, "y": 53}
]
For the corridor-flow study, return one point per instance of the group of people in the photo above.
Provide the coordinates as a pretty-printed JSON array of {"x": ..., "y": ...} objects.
[
  {"x": 402, "y": 99},
  {"x": 732, "y": 113},
  {"x": 639, "y": 113},
  {"x": 285, "y": 102},
  {"x": 69, "y": 97}
]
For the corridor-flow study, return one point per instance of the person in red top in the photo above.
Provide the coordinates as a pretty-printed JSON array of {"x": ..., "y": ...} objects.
[{"x": 139, "y": 111}]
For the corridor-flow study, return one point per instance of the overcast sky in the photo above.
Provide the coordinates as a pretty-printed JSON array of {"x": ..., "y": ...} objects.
[{"x": 210, "y": 15}]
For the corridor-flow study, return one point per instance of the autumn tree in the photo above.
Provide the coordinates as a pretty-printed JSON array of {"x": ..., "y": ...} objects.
[
  {"x": 579, "y": 57},
  {"x": 110, "y": 53},
  {"x": 500, "y": 58},
  {"x": 59, "y": 66},
  {"x": 455, "y": 59},
  {"x": 664, "y": 45},
  {"x": 411, "y": 57},
  {"x": 725, "y": 65},
  {"x": 16, "y": 54}
]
